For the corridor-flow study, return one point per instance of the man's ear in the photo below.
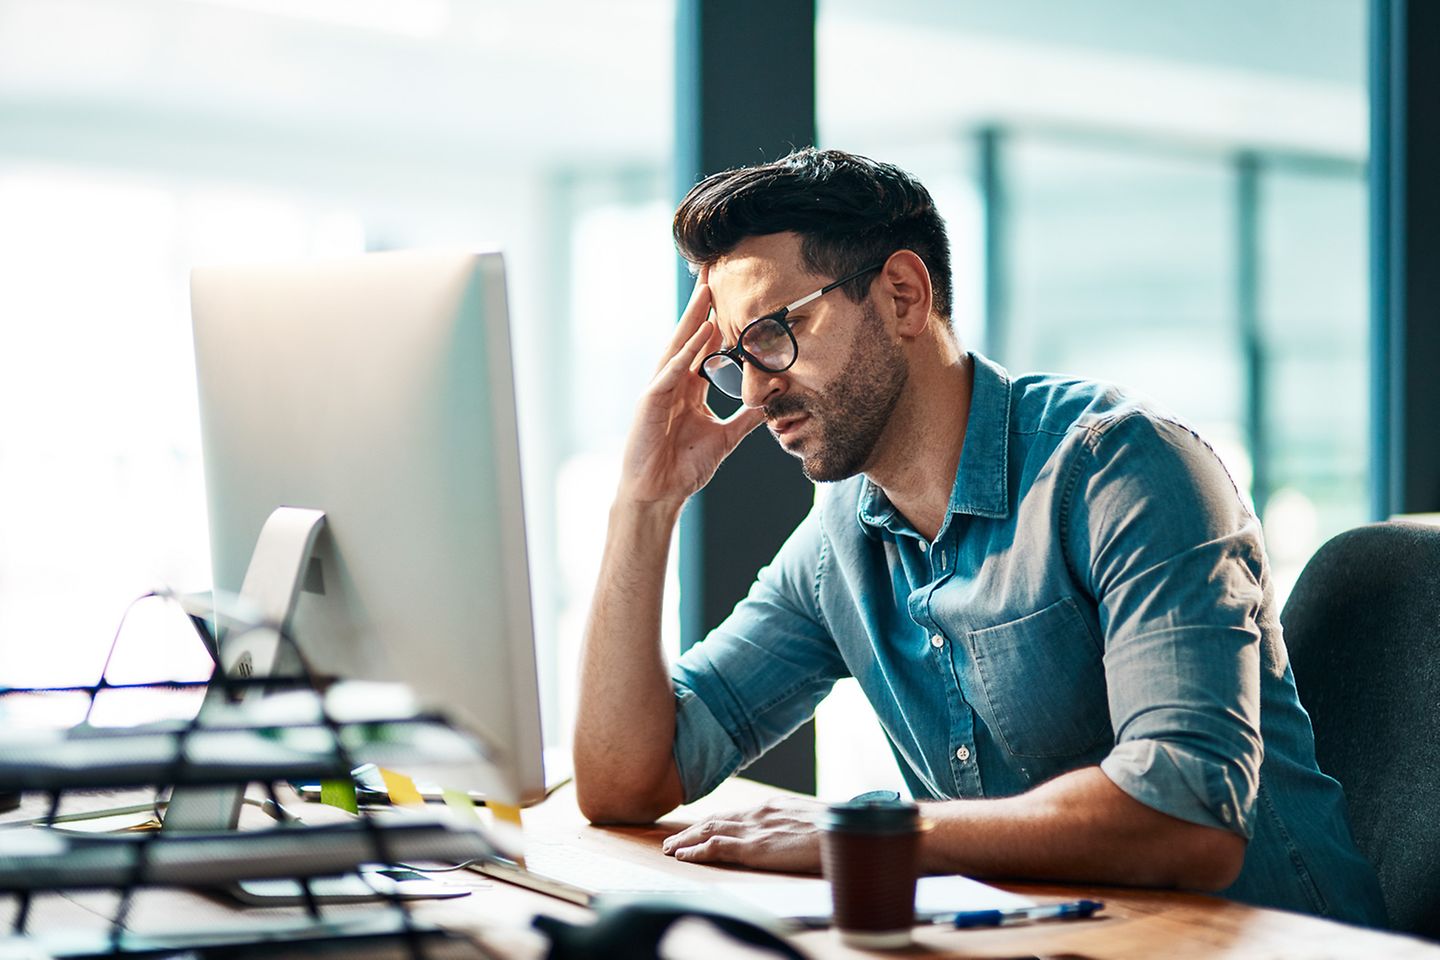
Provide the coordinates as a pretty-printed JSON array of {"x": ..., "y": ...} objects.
[{"x": 904, "y": 284}]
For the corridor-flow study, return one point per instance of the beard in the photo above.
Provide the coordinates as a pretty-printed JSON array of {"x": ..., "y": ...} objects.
[{"x": 851, "y": 412}]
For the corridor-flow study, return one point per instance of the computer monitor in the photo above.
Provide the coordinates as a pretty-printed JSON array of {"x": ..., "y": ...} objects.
[{"x": 379, "y": 389}]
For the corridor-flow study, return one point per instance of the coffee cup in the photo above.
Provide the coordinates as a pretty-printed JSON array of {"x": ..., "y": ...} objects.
[{"x": 870, "y": 854}]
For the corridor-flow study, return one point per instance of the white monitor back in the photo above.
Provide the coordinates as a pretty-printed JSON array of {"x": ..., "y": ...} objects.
[{"x": 380, "y": 390}]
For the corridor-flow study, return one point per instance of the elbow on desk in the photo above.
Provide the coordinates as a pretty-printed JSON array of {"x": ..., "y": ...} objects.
[
  {"x": 1209, "y": 862},
  {"x": 605, "y": 807},
  {"x": 605, "y": 801}
]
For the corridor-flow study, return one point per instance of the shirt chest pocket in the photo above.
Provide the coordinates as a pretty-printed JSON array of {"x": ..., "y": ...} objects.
[{"x": 1043, "y": 677}]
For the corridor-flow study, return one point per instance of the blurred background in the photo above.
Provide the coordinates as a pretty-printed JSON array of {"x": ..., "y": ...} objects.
[{"x": 1172, "y": 196}]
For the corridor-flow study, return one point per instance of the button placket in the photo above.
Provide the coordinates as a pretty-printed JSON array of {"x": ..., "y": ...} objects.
[{"x": 964, "y": 774}]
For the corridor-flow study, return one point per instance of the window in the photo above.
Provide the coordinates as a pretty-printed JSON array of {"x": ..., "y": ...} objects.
[
  {"x": 1168, "y": 196},
  {"x": 145, "y": 138}
]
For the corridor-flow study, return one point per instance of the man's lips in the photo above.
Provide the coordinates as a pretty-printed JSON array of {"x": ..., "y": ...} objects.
[{"x": 784, "y": 426}]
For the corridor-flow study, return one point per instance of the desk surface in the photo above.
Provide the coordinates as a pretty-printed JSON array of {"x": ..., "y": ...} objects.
[{"x": 1138, "y": 924}]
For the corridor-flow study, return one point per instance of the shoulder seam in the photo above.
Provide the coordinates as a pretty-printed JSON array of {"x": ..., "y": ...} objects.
[
  {"x": 1067, "y": 500},
  {"x": 1101, "y": 428}
]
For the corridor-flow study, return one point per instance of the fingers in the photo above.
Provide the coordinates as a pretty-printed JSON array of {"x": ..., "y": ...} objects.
[
  {"x": 711, "y": 344},
  {"x": 695, "y": 313},
  {"x": 717, "y": 849},
  {"x": 686, "y": 360},
  {"x": 700, "y": 833},
  {"x": 739, "y": 424},
  {"x": 710, "y": 841}
]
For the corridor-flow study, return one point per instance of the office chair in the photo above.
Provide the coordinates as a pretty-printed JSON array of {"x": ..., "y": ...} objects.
[{"x": 1363, "y": 629}]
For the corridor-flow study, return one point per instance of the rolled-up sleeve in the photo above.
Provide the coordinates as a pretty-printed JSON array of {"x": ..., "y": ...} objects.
[
  {"x": 1173, "y": 557},
  {"x": 760, "y": 674}
]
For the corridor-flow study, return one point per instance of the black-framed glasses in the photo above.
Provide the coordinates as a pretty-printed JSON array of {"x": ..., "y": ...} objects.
[{"x": 768, "y": 342}]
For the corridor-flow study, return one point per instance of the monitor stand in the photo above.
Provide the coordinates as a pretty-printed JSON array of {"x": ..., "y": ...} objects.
[{"x": 269, "y": 592}]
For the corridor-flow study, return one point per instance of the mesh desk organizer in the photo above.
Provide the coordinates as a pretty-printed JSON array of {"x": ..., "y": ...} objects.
[{"x": 293, "y": 732}]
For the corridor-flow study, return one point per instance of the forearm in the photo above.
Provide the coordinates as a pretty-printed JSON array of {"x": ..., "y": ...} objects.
[
  {"x": 1079, "y": 827},
  {"x": 624, "y": 768}
]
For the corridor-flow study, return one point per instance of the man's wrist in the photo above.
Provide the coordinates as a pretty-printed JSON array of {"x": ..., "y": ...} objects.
[{"x": 639, "y": 514}]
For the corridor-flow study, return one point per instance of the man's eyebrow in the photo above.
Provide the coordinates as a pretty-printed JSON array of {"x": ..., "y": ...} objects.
[
  {"x": 778, "y": 306},
  {"x": 747, "y": 321}
]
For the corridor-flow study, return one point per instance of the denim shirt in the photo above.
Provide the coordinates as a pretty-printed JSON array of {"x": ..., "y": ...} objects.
[{"x": 1097, "y": 594}]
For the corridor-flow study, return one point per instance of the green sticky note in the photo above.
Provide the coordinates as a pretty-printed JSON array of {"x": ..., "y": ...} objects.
[
  {"x": 460, "y": 802},
  {"x": 339, "y": 793}
]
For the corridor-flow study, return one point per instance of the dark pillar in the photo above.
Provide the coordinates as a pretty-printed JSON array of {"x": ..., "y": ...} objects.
[
  {"x": 744, "y": 93},
  {"x": 989, "y": 150},
  {"x": 1248, "y": 270},
  {"x": 1405, "y": 248}
]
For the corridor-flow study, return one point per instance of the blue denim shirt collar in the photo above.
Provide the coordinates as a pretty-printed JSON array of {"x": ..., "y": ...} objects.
[{"x": 979, "y": 487}]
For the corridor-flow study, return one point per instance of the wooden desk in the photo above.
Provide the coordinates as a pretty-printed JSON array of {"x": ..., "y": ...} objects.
[{"x": 1136, "y": 924}]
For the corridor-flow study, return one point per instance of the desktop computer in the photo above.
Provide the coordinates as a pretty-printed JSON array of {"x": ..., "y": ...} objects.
[
  {"x": 362, "y": 470},
  {"x": 361, "y": 413}
]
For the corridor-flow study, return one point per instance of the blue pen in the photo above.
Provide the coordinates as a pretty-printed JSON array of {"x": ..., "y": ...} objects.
[{"x": 1075, "y": 910}]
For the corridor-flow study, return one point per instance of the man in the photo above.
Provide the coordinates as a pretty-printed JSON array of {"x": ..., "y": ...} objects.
[{"x": 1052, "y": 595}]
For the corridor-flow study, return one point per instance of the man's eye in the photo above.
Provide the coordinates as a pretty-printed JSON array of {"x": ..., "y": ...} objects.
[{"x": 765, "y": 337}]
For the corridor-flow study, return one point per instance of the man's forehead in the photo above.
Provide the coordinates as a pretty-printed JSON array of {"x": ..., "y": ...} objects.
[{"x": 759, "y": 275}]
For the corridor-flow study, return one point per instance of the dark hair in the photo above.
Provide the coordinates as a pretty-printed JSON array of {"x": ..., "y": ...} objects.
[{"x": 850, "y": 212}]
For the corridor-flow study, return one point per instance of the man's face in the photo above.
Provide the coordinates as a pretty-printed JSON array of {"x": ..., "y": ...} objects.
[{"x": 831, "y": 408}]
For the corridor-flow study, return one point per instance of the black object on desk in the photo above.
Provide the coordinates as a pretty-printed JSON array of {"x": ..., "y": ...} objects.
[{"x": 634, "y": 930}]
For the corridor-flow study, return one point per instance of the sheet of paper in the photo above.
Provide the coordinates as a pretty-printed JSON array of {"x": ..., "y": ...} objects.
[
  {"x": 809, "y": 900},
  {"x": 953, "y": 894}
]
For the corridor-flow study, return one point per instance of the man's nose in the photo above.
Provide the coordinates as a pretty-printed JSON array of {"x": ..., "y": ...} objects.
[{"x": 758, "y": 387}]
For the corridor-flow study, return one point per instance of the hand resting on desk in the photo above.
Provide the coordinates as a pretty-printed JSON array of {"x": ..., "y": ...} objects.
[
  {"x": 780, "y": 835},
  {"x": 1078, "y": 827}
]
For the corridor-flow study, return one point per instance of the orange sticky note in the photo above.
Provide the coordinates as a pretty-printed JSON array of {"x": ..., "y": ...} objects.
[{"x": 401, "y": 788}]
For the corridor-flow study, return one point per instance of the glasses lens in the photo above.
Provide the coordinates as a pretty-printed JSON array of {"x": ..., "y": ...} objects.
[
  {"x": 725, "y": 374},
  {"x": 769, "y": 342}
]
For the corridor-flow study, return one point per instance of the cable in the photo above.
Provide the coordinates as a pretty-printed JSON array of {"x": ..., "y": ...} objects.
[
  {"x": 453, "y": 867},
  {"x": 270, "y": 808}
]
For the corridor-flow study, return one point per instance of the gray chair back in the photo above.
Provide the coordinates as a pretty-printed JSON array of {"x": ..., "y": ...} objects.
[{"x": 1363, "y": 629}]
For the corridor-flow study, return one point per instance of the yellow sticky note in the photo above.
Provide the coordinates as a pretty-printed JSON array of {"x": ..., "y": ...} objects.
[
  {"x": 505, "y": 813},
  {"x": 507, "y": 816},
  {"x": 401, "y": 788},
  {"x": 460, "y": 802},
  {"x": 339, "y": 793}
]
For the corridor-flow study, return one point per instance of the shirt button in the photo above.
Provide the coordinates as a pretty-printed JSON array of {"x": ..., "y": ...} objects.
[
  {"x": 1225, "y": 812},
  {"x": 962, "y": 754},
  {"x": 924, "y": 546},
  {"x": 937, "y": 641}
]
